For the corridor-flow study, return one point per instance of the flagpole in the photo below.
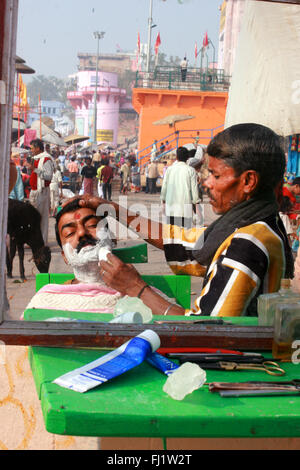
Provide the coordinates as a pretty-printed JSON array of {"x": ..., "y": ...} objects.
[
  {"x": 40, "y": 111},
  {"x": 19, "y": 130},
  {"x": 149, "y": 36}
]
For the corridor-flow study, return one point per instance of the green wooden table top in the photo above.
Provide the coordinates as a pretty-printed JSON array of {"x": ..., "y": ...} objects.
[{"x": 135, "y": 405}]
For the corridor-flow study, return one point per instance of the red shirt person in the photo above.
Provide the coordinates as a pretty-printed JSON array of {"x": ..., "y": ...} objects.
[{"x": 107, "y": 174}]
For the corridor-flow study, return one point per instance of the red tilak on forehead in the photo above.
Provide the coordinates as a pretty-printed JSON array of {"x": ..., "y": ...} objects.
[{"x": 77, "y": 215}]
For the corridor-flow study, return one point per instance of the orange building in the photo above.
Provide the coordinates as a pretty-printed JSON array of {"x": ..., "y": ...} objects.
[{"x": 205, "y": 99}]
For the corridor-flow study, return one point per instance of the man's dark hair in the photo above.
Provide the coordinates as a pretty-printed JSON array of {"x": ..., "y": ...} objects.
[
  {"x": 192, "y": 153},
  {"x": 285, "y": 204},
  {"x": 37, "y": 143},
  {"x": 71, "y": 207},
  {"x": 296, "y": 181},
  {"x": 182, "y": 154},
  {"x": 251, "y": 147}
]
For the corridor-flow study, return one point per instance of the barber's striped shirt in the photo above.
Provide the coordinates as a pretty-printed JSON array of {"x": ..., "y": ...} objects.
[{"x": 251, "y": 261}]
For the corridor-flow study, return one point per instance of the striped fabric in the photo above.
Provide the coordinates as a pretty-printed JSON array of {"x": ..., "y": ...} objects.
[
  {"x": 251, "y": 261},
  {"x": 178, "y": 246}
]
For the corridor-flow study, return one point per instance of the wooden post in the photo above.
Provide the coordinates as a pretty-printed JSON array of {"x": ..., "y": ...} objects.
[
  {"x": 8, "y": 32},
  {"x": 40, "y": 112}
]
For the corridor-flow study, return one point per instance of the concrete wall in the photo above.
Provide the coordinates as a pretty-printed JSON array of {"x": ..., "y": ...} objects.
[{"x": 208, "y": 109}]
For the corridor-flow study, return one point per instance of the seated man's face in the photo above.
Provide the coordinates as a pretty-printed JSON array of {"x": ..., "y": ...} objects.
[{"x": 78, "y": 228}]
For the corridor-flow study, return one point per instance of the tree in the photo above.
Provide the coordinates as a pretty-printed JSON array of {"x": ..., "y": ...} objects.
[{"x": 49, "y": 88}]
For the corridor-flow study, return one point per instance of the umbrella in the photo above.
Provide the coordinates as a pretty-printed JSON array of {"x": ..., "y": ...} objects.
[
  {"x": 38, "y": 126},
  {"x": 18, "y": 128},
  {"x": 172, "y": 119},
  {"x": 18, "y": 150},
  {"x": 54, "y": 140},
  {"x": 18, "y": 124},
  {"x": 23, "y": 68},
  {"x": 75, "y": 139}
]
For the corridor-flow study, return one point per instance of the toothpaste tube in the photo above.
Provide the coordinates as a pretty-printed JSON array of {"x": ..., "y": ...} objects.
[
  {"x": 115, "y": 363},
  {"x": 162, "y": 363}
]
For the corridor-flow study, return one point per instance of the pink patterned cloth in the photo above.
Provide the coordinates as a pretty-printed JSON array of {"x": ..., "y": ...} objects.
[
  {"x": 29, "y": 135},
  {"x": 94, "y": 298}
]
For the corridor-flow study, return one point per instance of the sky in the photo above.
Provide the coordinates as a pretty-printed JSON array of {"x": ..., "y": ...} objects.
[{"x": 52, "y": 32}]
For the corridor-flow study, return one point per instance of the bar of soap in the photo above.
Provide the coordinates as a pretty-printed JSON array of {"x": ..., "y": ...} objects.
[
  {"x": 103, "y": 252},
  {"x": 184, "y": 380}
]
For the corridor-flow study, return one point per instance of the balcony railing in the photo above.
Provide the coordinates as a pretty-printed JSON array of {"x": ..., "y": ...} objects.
[{"x": 169, "y": 78}]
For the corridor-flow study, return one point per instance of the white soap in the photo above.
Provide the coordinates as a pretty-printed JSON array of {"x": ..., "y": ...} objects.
[
  {"x": 103, "y": 252},
  {"x": 184, "y": 380}
]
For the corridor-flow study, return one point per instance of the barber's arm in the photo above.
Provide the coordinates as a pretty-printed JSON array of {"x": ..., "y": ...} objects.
[
  {"x": 125, "y": 279},
  {"x": 148, "y": 229}
]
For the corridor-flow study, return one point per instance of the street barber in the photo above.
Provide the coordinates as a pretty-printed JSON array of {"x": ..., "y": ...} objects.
[{"x": 244, "y": 253}]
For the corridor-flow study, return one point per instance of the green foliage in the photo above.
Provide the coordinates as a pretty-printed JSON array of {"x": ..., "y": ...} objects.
[{"x": 49, "y": 88}]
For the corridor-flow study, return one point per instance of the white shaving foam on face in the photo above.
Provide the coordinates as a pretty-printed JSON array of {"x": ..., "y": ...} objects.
[{"x": 85, "y": 263}]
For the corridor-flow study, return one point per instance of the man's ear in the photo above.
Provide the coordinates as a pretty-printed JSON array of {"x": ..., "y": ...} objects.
[{"x": 251, "y": 180}]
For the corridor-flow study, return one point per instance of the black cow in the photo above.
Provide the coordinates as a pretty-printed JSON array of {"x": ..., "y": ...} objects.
[{"x": 24, "y": 226}]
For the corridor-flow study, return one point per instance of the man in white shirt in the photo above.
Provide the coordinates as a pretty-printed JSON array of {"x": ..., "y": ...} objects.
[
  {"x": 183, "y": 67},
  {"x": 179, "y": 191},
  {"x": 42, "y": 170}
]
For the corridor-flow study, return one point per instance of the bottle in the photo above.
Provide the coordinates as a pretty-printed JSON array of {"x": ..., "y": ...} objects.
[
  {"x": 266, "y": 303},
  {"x": 133, "y": 304},
  {"x": 286, "y": 330}
]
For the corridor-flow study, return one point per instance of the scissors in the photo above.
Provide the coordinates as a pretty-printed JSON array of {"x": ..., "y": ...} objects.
[{"x": 270, "y": 367}]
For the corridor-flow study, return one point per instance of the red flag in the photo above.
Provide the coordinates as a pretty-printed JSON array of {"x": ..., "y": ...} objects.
[
  {"x": 157, "y": 44},
  {"x": 205, "y": 40},
  {"x": 196, "y": 51},
  {"x": 139, "y": 44}
]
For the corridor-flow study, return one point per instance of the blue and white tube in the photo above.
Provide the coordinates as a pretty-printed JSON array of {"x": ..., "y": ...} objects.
[
  {"x": 162, "y": 363},
  {"x": 126, "y": 357}
]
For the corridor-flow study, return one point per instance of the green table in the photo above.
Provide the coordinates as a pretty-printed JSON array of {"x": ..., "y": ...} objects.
[{"x": 134, "y": 404}]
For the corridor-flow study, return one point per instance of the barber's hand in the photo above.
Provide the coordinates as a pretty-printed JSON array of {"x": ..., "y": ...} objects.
[
  {"x": 92, "y": 202},
  {"x": 120, "y": 276}
]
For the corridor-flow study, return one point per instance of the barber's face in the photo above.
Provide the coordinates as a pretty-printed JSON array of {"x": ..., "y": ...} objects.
[
  {"x": 224, "y": 189},
  {"x": 78, "y": 228}
]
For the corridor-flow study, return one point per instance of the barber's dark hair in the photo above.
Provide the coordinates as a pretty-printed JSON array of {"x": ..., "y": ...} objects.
[
  {"x": 251, "y": 147},
  {"x": 182, "y": 154},
  {"x": 192, "y": 153},
  {"x": 37, "y": 143},
  {"x": 70, "y": 207}
]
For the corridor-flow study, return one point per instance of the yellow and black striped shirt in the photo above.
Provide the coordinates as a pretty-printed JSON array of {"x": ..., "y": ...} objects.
[{"x": 251, "y": 261}]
